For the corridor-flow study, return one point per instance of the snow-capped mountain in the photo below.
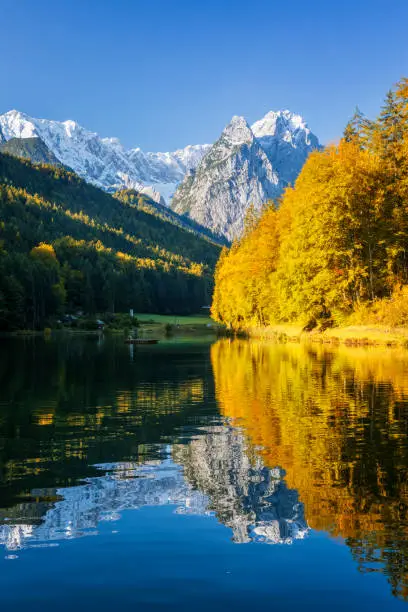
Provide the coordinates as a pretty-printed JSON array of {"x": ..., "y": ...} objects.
[
  {"x": 234, "y": 173},
  {"x": 214, "y": 184},
  {"x": 245, "y": 166},
  {"x": 104, "y": 162},
  {"x": 287, "y": 141}
]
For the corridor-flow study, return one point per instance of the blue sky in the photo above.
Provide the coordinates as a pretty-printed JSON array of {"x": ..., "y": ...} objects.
[{"x": 161, "y": 74}]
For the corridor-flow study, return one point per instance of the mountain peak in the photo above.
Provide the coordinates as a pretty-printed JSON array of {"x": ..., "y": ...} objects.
[
  {"x": 275, "y": 122},
  {"x": 238, "y": 131}
]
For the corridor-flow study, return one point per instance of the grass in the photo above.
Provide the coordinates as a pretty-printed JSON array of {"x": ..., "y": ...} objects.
[
  {"x": 373, "y": 335},
  {"x": 352, "y": 335},
  {"x": 175, "y": 320},
  {"x": 156, "y": 325}
]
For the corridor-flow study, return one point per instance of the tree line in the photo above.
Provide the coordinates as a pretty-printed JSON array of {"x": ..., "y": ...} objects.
[
  {"x": 66, "y": 245},
  {"x": 335, "y": 246}
]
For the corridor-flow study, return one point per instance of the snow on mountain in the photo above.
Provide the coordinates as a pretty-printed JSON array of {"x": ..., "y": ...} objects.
[
  {"x": 235, "y": 173},
  {"x": 213, "y": 184},
  {"x": 287, "y": 140},
  {"x": 245, "y": 166},
  {"x": 104, "y": 162}
]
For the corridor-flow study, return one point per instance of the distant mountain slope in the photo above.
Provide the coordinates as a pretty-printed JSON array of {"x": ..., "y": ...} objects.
[
  {"x": 245, "y": 166},
  {"x": 207, "y": 193},
  {"x": 110, "y": 256},
  {"x": 143, "y": 202},
  {"x": 104, "y": 162},
  {"x": 30, "y": 148},
  {"x": 234, "y": 173}
]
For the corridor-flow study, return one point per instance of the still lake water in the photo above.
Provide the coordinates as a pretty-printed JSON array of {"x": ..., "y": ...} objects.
[{"x": 202, "y": 475}]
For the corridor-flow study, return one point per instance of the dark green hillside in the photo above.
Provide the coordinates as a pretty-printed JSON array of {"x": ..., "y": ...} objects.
[
  {"x": 33, "y": 149},
  {"x": 143, "y": 202},
  {"x": 99, "y": 254}
]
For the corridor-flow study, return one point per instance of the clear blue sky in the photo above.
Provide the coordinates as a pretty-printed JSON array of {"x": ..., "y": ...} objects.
[{"x": 164, "y": 73}]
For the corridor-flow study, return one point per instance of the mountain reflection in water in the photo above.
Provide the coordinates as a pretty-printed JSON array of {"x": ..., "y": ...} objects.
[
  {"x": 250, "y": 498},
  {"x": 274, "y": 442},
  {"x": 337, "y": 422}
]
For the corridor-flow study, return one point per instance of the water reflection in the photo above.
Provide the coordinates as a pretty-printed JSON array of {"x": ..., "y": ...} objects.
[
  {"x": 250, "y": 498},
  {"x": 211, "y": 474},
  {"x": 271, "y": 441},
  {"x": 336, "y": 422}
]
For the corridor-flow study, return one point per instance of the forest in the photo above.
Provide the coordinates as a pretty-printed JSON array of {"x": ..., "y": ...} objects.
[
  {"x": 67, "y": 246},
  {"x": 333, "y": 249}
]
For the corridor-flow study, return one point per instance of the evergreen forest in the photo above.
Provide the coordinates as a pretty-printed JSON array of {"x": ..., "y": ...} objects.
[{"x": 67, "y": 246}]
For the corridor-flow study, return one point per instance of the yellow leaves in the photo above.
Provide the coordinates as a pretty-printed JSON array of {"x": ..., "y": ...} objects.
[
  {"x": 328, "y": 243},
  {"x": 319, "y": 415},
  {"x": 44, "y": 252}
]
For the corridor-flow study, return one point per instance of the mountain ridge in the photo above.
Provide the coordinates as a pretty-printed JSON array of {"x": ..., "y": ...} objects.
[
  {"x": 260, "y": 161},
  {"x": 228, "y": 175},
  {"x": 245, "y": 166},
  {"x": 104, "y": 162}
]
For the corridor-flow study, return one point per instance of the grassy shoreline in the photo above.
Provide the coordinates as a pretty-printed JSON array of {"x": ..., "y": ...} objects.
[
  {"x": 351, "y": 335},
  {"x": 155, "y": 325},
  {"x": 148, "y": 325}
]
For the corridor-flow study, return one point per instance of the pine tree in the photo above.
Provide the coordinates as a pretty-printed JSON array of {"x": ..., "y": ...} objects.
[{"x": 358, "y": 129}]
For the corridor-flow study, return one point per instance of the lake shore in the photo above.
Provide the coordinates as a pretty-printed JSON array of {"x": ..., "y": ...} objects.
[{"x": 351, "y": 335}]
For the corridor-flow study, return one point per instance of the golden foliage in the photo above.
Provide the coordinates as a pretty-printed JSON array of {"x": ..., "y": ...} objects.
[
  {"x": 339, "y": 238},
  {"x": 336, "y": 422}
]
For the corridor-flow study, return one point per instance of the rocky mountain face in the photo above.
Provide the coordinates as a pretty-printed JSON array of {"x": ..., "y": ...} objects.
[
  {"x": 30, "y": 148},
  {"x": 233, "y": 174},
  {"x": 104, "y": 162},
  {"x": 245, "y": 166}
]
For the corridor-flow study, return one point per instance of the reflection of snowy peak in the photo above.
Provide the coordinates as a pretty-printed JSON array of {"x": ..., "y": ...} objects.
[
  {"x": 104, "y": 161},
  {"x": 215, "y": 475},
  {"x": 248, "y": 497},
  {"x": 125, "y": 487}
]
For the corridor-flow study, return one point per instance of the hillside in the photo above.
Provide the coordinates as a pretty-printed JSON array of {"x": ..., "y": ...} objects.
[
  {"x": 33, "y": 149},
  {"x": 66, "y": 245},
  {"x": 142, "y": 202}
]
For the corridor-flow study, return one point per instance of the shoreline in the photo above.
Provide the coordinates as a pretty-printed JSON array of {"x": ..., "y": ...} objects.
[{"x": 350, "y": 335}]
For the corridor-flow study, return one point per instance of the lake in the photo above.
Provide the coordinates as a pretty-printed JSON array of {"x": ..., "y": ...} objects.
[{"x": 202, "y": 475}]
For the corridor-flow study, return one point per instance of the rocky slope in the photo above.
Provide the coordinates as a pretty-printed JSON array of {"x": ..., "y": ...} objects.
[
  {"x": 235, "y": 173},
  {"x": 245, "y": 166}
]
